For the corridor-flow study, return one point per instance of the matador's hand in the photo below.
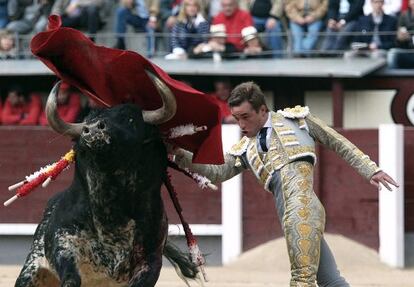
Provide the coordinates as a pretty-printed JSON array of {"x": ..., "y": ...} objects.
[{"x": 384, "y": 179}]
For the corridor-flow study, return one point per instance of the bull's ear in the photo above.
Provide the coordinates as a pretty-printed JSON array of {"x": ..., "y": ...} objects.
[{"x": 169, "y": 105}]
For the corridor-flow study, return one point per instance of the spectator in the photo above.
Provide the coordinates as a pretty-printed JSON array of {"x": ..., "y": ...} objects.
[
  {"x": 212, "y": 8},
  {"x": 234, "y": 19},
  {"x": 80, "y": 14},
  {"x": 305, "y": 16},
  {"x": 190, "y": 30},
  {"x": 376, "y": 33},
  {"x": 254, "y": 47},
  {"x": 68, "y": 105},
  {"x": 21, "y": 108},
  {"x": 140, "y": 14},
  {"x": 222, "y": 90},
  {"x": 169, "y": 10},
  {"x": 28, "y": 15},
  {"x": 391, "y": 7},
  {"x": 267, "y": 17},
  {"x": 342, "y": 18},
  {"x": 4, "y": 18},
  {"x": 8, "y": 48},
  {"x": 217, "y": 46},
  {"x": 404, "y": 5},
  {"x": 401, "y": 57}
]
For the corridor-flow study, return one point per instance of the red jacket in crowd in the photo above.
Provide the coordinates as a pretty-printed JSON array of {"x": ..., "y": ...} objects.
[
  {"x": 24, "y": 114},
  {"x": 234, "y": 24},
  {"x": 68, "y": 112},
  {"x": 404, "y": 5}
]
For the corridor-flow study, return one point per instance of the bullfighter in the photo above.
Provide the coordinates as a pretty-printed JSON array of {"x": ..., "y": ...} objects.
[{"x": 279, "y": 147}]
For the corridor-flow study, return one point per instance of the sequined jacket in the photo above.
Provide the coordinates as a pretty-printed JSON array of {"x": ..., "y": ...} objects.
[{"x": 293, "y": 136}]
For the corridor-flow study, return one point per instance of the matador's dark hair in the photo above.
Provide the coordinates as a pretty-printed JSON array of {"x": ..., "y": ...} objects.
[{"x": 249, "y": 92}]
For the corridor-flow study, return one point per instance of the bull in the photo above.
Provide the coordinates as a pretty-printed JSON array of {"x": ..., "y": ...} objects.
[{"x": 109, "y": 228}]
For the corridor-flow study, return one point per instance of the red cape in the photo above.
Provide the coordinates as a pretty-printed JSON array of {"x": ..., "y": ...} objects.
[{"x": 114, "y": 77}]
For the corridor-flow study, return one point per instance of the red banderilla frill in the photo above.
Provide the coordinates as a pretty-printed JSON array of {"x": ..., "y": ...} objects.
[{"x": 41, "y": 177}]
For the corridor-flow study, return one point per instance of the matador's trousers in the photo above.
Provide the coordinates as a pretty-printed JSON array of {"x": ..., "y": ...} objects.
[{"x": 302, "y": 218}]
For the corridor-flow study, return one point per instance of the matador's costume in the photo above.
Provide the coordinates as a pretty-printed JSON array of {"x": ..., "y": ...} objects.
[{"x": 286, "y": 170}]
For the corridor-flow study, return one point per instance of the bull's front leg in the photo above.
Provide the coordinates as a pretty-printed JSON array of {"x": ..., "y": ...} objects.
[
  {"x": 145, "y": 267},
  {"x": 63, "y": 256},
  {"x": 68, "y": 272},
  {"x": 146, "y": 257}
]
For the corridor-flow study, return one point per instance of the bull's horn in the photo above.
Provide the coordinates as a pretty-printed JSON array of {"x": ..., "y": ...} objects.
[
  {"x": 55, "y": 122},
  {"x": 169, "y": 105}
]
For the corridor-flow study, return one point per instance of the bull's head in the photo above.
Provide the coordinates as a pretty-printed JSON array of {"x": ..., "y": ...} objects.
[{"x": 156, "y": 117}]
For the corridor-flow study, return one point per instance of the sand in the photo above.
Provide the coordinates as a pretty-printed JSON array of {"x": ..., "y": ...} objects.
[{"x": 268, "y": 266}]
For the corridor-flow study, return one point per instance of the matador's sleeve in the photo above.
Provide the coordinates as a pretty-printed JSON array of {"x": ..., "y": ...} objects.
[
  {"x": 232, "y": 166},
  {"x": 321, "y": 132}
]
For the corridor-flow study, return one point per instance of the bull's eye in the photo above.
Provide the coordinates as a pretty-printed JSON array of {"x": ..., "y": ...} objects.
[{"x": 101, "y": 126}]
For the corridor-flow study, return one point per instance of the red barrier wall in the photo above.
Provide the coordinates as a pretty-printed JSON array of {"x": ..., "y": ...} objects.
[
  {"x": 24, "y": 150},
  {"x": 351, "y": 203}
]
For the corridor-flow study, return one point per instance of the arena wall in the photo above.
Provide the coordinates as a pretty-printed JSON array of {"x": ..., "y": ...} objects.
[{"x": 351, "y": 203}]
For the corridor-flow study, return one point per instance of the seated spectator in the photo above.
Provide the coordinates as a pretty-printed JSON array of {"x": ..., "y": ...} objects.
[
  {"x": 4, "y": 18},
  {"x": 80, "y": 14},
  {"x": 404, "y": 5},
  {"x": 372, "y": 39},
  {"x": 401, "y": 57},
  {"x": 28, "y": 15},
  {"x": 68, "y": 105},
  {"x": 140, "y": 14},
  {"x": 8, "y": 48},
  {"x": 305, "y": 16},
  {"x": 391, "y": 7},
  {"x": 234, "y": 19},
  {"x": 169, "y": 10},
  {"x": 21, "y": 108},
  {"x": 222, "y": 90},
  {"x": 190, "y": 30},
  {"x": 342, "y": 17},
  {"x": 212, "y": 8},
  {"x": 254, "y": 47},
  {"x": 267, "y": 17},
  {"x": 217, "y": 46}
]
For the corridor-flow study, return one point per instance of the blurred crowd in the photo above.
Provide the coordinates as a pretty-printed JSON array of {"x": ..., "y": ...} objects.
[
  {"x": 26, "y": 108},
  {"x": 228, "y": 29}
]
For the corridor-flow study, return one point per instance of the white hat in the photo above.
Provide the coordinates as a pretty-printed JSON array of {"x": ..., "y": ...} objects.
[
  {"x": 249, "y": 33},
  {"x": 218, "y": 30}
]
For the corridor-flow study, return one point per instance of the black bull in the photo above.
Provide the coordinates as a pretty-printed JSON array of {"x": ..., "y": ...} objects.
[{"x": 109, "y": 227}]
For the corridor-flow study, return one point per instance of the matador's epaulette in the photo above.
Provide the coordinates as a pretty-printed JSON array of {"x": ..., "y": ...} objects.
[
  {"x": 239, "y": 148},
  {"x": 298, "y": 112}
]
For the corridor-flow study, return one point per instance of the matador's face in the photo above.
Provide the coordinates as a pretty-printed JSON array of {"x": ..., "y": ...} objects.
[{"x": 249, "y": 120}]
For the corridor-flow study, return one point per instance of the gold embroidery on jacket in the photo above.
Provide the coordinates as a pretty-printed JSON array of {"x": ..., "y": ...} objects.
[{"x": 240, "y": 147}]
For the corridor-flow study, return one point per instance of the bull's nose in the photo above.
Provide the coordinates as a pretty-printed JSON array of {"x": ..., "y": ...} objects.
[
  {"x": 96, "y": 127},
  {"x": 101, "y": 125}
]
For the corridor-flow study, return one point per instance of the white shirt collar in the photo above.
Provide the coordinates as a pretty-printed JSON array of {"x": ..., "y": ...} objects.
[{"x": 268, "y": 123}]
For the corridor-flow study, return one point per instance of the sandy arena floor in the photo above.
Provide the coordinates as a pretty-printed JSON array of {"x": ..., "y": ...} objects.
[{"x": 267, "y": 266}]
